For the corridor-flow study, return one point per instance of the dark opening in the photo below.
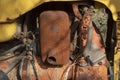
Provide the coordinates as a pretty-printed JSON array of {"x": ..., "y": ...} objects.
[{"x": 51, "y": 59}]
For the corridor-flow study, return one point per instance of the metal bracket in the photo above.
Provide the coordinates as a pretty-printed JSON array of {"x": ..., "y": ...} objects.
[{"x": 93, "y": 54}]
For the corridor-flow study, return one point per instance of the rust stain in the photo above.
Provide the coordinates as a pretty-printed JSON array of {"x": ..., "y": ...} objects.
[
  {"x": 55, "y": 37},
  {"x": 56, "y": 73}
]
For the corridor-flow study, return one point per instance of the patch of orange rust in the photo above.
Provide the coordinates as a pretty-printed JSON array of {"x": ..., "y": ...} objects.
[{"x": 4, "y": 65}]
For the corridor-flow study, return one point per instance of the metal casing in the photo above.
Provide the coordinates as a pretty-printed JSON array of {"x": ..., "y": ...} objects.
[{"x": 55, "y": 37}]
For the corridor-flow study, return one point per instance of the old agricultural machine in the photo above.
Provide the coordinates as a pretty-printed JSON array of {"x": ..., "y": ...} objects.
[{"x": 59, "y": 39}]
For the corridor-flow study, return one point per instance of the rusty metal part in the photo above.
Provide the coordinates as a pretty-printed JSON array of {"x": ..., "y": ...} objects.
[
  {"x": 84, "y": 27},
  {"x": 12, "y": 49},
  {"x": 59, "y": 73},
  {"x": 76, "y": 11},
  {"x": 91, "y": 73},
  {"x": 24, "y": 71},
  {"x": 13, "y": 65},
  {"x": 92, "y": 52},
  {"x": 76, "y": 72},
  {"x": 3, "y": 76},
  {"x": 89, "y": 37},
  {"x": 49, "y": 42},
  {"x": 55, "y": 37}
]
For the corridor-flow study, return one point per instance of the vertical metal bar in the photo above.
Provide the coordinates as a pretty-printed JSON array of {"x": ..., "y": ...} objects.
[{"x": 117, "y": 51}]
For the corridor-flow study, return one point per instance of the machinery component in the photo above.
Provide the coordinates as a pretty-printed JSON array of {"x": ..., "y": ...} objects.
[
  {"x": 17, "y": 8},
  {"x": 3, "y": 76},
  {"x": 12, "y": 49},
  {"x": 117, "y": 51},
  {"x": 55, "y": 37},
  {"x": 7, "y": 31},
  {"x": 92, "y": 52}
]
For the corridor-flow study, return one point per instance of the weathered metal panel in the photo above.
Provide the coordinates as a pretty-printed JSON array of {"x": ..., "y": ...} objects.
[
  {"x": 117, "y": 53},
  {"x": 10, "y": 10},
  {"x": 7, "y": 31},
  {"x": 55, "y": 37}
]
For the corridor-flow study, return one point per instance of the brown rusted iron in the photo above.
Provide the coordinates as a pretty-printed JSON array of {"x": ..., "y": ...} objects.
[
  {"x": 43, "y": 74},
  {"x": 76, "y": 11},
  {"x": 89, "y": 72},
  {"x": 55, "y": 49},
  {"x": 59, "y": 73},
  {"x": 55, "y": 37},
  {"x": 24, "y": 71},
  {"x": 83, "y": 28}
]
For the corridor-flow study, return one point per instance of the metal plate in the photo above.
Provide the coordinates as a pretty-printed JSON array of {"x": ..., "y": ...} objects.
[{"x": 55, "y": 37}]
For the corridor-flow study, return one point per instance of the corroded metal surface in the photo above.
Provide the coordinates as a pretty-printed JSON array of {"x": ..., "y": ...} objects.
[
  {"x": 91, "y": 73},
  {"x": 59, "y": 73},
  {"x": 55, "y": 37},
  {"x": 55, "y": 50},
  {"x": 117, "y": 52}
]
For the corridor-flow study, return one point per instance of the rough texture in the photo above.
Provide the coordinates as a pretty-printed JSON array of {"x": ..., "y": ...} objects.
[
  {"x": 100, "y": 18},
  {"x": 55, "y": 37},
  {"x": 60, "y": 73}
]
